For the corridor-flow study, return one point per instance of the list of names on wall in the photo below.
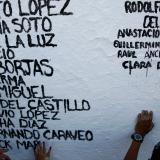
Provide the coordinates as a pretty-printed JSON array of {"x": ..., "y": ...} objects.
[
  {"x": 138, "y": 48},
  {"x": 25, "y": 110}
]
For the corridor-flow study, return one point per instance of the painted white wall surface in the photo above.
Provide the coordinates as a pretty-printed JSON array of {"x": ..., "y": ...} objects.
[{"x": 86, "y": 67}]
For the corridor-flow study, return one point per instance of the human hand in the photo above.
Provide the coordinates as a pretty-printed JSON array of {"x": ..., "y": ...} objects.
[
  {"x": 144, "y": 122},
  {"x": 3, "y": 156},
  {"x": 41, "y": 153}
]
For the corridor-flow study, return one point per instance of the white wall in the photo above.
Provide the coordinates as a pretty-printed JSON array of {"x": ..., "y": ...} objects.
[{"x": 86, "y": 67}]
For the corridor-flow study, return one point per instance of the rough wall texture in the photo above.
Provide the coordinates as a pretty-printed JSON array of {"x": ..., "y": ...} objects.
[{"x": 86, "y": 67}]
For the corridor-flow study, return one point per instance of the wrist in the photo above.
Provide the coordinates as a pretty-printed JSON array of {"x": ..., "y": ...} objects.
[
  {"x": 137, "y": 137},
  {"x": 136, "y": 143},
  {"x": 141, "y": 133}
]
